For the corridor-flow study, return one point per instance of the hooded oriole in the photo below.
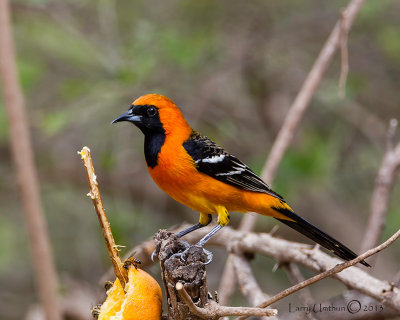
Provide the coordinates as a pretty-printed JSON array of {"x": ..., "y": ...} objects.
[{"x": 195, "y": 171}]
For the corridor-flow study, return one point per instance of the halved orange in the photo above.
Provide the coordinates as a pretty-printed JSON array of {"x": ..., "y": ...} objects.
[{"x": 142, "y": 300}]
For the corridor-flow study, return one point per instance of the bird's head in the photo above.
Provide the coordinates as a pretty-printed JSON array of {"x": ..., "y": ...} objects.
[{"x": 154, "y": 113}]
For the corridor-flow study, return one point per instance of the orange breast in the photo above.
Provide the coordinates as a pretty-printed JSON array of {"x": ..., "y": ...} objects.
[{"x": 177, "y": 175}]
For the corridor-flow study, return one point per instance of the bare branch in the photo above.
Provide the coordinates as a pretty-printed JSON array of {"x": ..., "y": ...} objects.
[
  {"x": 338, "y": 268},
  {"x": 391, "y": 133},
  {"x": 212, "y": 310},
  {"x": 94, "y": 194},
  {"x": 23, "y": 157},
  {"x": 383, "y": 185}
]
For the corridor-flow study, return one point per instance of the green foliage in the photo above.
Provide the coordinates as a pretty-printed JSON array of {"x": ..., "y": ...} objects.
[
  {"x": 374, "y": 9},
  {"x": 389, "y": 41},
  {"x": 65, "y": 43},
  {"x": 393, "y": 214},
  {"x": 107, "y": 161},
  {"x": 30, "y": 71},
  {"x": 185, "y": 49},
  {"x": 310, "y": 163},
  {"x": 74, "y": 88},
  {"x": 54, "y": 122},
  {"x": 356, "y": 83}
]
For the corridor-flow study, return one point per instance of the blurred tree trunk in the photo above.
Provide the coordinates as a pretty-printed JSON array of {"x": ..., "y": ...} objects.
[{"x": 24, "y": 164}]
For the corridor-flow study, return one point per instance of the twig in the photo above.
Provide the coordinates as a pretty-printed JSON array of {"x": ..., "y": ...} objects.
[
  {"x": 23, "y": 157},
  {"x": 338, "y": 268},
  {"x": 214, "y": 311},
  {"x": 393, "y": 124},
  {"x": 296, "y": 112},
  {"x": 383, "y": 185},
  {"x": 94, "y": 194}
]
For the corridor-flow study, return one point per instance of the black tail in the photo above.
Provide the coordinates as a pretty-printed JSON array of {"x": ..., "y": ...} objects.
[{"x": 320, "y": 237}]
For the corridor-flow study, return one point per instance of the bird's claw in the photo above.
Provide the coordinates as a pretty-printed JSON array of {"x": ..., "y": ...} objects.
[
  {"x": 209, "y": 256},
  {"x": 182, "y": 255},
  {"x": 153, "y": 255}
]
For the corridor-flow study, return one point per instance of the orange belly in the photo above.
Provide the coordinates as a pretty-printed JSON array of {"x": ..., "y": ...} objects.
[{"x": 177, "y": 175}]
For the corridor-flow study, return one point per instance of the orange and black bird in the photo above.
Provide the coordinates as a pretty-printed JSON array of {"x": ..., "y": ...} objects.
[{"x": 195, "y": 171}]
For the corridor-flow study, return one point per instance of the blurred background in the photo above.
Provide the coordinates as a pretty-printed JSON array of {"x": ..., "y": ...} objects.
[{"x": 233, "y": 68}]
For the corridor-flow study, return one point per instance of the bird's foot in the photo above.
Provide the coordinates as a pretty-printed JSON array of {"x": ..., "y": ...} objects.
[
  {"x": 186, "y": 244},
  {"x": 182, "y": 255}
]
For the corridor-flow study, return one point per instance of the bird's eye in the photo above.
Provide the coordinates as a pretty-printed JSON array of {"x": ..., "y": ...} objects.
[{"x": 151, "y": 111}]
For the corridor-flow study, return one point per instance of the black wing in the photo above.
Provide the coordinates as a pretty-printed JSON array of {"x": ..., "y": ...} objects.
[{"x": 214, "y": 161}]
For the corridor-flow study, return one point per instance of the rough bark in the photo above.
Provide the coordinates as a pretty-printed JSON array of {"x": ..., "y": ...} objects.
[{"x": 191, "y": 273}]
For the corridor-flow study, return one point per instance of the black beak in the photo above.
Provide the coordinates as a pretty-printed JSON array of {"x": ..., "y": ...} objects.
[{"x": 128, "y": 116}]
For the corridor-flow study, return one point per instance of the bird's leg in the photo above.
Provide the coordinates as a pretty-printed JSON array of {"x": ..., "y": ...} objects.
[
  {"x": 194, "y": 227},
  {"x": 208, "y": 236},
  {"x": 204, "y": 220},
  {"x": 223, "y": 220}
]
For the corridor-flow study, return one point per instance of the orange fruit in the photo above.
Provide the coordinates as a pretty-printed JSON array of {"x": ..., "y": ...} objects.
[{"x": 142, "y": 300}]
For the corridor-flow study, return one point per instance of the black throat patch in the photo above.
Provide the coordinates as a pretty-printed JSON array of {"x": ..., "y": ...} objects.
[{"x": 152, "y": 147}]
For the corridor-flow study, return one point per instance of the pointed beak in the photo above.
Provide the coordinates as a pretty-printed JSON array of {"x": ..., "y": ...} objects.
[{"x": 127, "y": 116}]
